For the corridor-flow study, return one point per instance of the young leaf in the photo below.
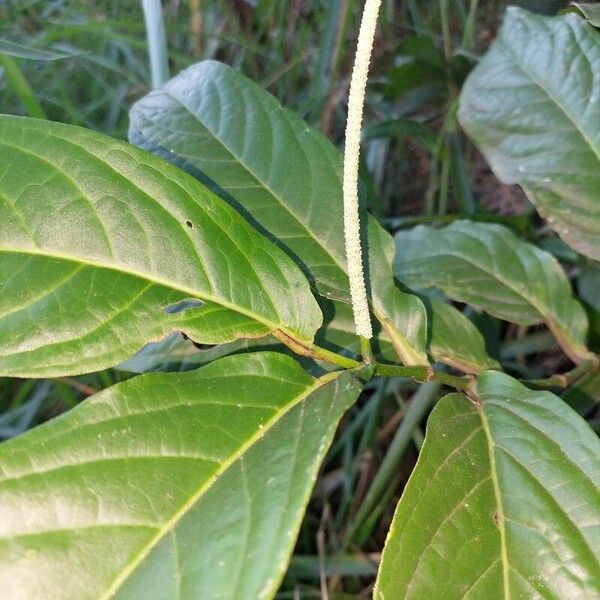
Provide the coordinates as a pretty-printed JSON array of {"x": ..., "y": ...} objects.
[
  {"x": 105, "y": 247},
  {"x": 503, "y": 502},
  {"x": 285, "y": 176},
  {"x": 487, "y": 266},
  {"x": 531, "y": 105},
  {"x": 456, "y": 341},
  {"x": 168, "y": 486}
]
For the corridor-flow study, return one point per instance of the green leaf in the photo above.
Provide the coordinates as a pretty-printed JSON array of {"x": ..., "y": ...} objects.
[
  {"x": 105, "y": 247},
  {"x": 29, "y": 52},
  {"x": 531, "y": 106},
  {"x": 169, "y": 486},
  {"x": 456, "y": 341},
  {"x": 286, "y": 177},
  {"x": 488, "y": 266},
  {"x": 589, "y": 10},
  {"x": 503, "y": 502}
]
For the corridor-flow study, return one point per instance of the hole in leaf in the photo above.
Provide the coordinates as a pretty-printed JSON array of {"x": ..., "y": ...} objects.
[
  {"x": 182, "y": 306},
  {"x": 189, "y": 224}
]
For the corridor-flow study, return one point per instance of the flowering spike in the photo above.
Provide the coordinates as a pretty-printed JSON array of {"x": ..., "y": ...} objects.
[{"x": 360, "y": 304}]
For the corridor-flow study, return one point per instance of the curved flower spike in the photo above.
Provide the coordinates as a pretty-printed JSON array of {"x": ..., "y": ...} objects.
[{"x": 360, "y": 304}]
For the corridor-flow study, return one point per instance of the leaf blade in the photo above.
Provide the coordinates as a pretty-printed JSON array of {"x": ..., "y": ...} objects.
[
  {"x": 186, "y": 435},
  {"x": 534, "y": 117},
  {"x": 137, "y": 236},
  {"x": 487, "y": 266},
  {"x": 494, "y": 522}
]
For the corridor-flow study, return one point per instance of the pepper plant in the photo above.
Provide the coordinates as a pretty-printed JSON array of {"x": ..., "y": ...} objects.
[{"x": 227, "y": 224}]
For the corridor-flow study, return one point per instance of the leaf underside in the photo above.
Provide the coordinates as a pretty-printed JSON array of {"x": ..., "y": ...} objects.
[
  {"x": 531, "y": 105},
  {"x": 503, "y": 502},
  {"x": 169, "y": 486}
]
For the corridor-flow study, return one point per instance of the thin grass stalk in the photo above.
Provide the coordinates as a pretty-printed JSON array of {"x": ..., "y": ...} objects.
[{"x": 157, "y": 42}]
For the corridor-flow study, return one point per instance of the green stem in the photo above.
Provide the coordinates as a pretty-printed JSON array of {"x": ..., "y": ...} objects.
[
  {"x": 468, "y": 41},
  {"x": 423, "y": 374},
  {"x": 444, "y": 177},
  {"x": 365, "y": 350},
  {"x": 333, "y": 358},
  {"x": 157, "y": 42},
  {"x": 563, "y": 380},
  {"x": 445, "y": 30},
  {"x": 21, "y": 87},
  {"x": 418, "y": 373}
]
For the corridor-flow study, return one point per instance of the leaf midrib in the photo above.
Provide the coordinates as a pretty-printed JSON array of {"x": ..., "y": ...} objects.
[
  {"x": 169, "y": 525},
  {"x": 490, "y": 444},
  {"x": 151, "y": 278}
]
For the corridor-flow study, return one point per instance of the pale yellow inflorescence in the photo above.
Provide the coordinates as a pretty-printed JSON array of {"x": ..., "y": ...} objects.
[{"x": 360, "y": 304}]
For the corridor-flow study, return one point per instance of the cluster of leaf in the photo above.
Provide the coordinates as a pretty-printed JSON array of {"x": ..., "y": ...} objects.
[{"x": 193, "y": 484}]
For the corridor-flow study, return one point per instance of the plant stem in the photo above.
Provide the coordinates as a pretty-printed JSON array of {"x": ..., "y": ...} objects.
[
  {"x": 335, "y": 359},
  {"x": 21, "y": 87},
  {"x": 358, "y": 84},
  {"x": 423, "y": 374},
  {"x": 562, "y": 380},
  {"x": 443, "y": 5},
  {"x": 366, "y": 351},
  {"x": 468, "y": 40},
  {"x": 157, "y": 42},
  {"x": 418, "y": 373}
]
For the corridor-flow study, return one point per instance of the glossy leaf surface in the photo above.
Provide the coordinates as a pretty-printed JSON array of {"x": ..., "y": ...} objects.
[
  {"x": 531, "y": 105},
  {"x": 169, "y": 486},
  {"x": 503, "y": 502},
  {"x": 220, "y": 126},
  {"x": 488, "y": 266},
  {"x": 105, "y": 247}
]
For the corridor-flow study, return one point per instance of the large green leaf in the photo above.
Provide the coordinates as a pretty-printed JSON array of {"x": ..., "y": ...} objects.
[
  {"x": 488, "y": 266},
  {"x": 102, "y": 245},
  {"x": 504, "y": 502},
  {"x": 217, "y": 124},
  {"x": 532, "y": 107},
  {"x": 169, "y": 486}
]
